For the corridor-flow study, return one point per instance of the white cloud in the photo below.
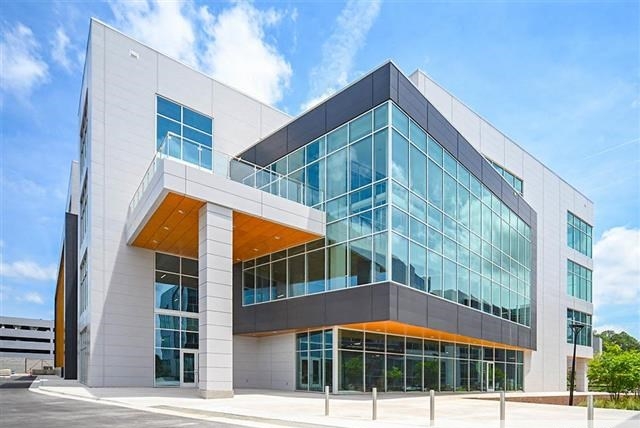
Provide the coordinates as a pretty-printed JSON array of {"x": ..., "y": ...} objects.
[
  {"x": 31, "y": 297},
  {"x": 21, "y": 65},
  {"x": 28, "y": 270},
  {"x": 167, "y": 26},
  {"x": 61, "y": 49},
  {"x": 616, "y": 259},
  {"x": 231, "y": 45},
  {"x": 339, "y": 50},
  {"x": 238, "y": 53}
]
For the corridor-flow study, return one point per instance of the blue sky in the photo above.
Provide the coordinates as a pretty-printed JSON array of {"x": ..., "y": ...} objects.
[{"x": 561, "y": 78}]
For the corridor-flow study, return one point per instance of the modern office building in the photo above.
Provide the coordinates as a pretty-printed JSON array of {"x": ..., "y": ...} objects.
[{"x": 387, "y": 237}]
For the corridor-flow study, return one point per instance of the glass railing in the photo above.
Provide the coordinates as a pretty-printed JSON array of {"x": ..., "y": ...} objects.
[{"x": 175, "y": 147}]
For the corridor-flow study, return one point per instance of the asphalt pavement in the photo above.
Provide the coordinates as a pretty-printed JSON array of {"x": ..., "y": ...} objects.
[{"x": 22, "y": 408}]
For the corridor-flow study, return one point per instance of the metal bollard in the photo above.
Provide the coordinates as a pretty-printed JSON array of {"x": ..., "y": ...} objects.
[
  {"x": 502, "y": 409},
  {"x": 590, "y": 411},
  {"x": 326, "y": 401},
  {"x": 432, "y": 407},
  {"x": 374, "y": 415}
]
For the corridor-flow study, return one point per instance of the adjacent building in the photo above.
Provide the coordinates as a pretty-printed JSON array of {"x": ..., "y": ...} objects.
[
  {"x": 388, "y": 237},
  {"x": 25, "y": 344}
]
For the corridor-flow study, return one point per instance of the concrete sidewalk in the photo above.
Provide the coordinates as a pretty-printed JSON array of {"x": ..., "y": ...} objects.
[{"x": 261, "y": 408}]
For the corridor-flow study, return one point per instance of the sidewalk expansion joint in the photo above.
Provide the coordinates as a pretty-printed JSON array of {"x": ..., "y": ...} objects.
[{"x": 209, "y": 413}]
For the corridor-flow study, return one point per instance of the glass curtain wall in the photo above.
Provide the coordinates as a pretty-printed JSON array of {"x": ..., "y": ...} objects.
[
  {"x": 348, "y": 170},
  {"x": 451, "y": 236},
  {"x": 399, "y": 208},
  {"x": 401, "y": 363},
  {"x": 175, "y": 313}
]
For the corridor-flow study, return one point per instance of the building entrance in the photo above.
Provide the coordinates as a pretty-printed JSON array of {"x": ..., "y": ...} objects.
[{"x": 189, "y": 369}]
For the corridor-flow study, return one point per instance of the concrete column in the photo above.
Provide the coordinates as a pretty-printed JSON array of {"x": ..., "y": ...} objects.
[
  {"x": 215, "y": 301},
  {"x": 581, "y": 374}
]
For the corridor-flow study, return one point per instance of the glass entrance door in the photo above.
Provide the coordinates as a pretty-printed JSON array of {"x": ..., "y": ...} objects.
[
  {"x": 489, "y": 376},
  {"x": 316, "y": 374},
  {"x": 189, "y": 369}
]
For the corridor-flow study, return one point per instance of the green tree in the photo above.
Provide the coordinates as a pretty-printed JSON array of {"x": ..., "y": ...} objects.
[
  {"x": 624, "y": 340},
  {"x": 615, "y": 370}
]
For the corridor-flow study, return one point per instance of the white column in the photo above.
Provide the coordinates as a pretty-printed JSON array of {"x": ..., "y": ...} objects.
[
  {"x": 215, "y": 301},
  {"x": 335, "y": 365},
  {"x": 581, "y": 380}
]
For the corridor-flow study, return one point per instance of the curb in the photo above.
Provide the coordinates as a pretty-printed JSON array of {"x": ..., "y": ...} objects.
[{"x": 223, "y": 417}]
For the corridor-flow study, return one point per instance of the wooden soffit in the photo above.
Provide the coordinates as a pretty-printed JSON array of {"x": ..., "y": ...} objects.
[
  {"x": 394, "y": 327},
  {"x": 255, "y": 236},
  {"x": 173, "y": 228}
]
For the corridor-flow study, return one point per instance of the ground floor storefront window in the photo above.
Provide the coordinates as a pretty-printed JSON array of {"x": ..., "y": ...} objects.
[{"x": 401, "y": 363}]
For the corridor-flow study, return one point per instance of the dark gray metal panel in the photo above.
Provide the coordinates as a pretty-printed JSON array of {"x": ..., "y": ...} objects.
[
  {"x": 411, "y": 306},
  {"x": 301, "y": 313},
  {"x": 491, "y": 178},
  {"x": 272, "y": 148},
  {"x": 534, "y": 330},
  {"x": 306, "y": 128},
  {"x": 442, "y": 130},
  {"x": 272, "y": 317},
  {"x": 393, "y": 89},
  {"x": 349, "y": 306},
  {"x": 244, "y": 320},
  {"x": 249, "y": 155},
  {"x": 353, "y": 101},
  {"x": 412, "y": 101},
  {"x": 491, "y": 328},
  {"x": 525, "y": 211},
  {"x": 393, "y": 301},
  {"x": 380, "y": 296},
  {"x": 70, "y": 296},
  {"x": 381, "y": 84},
  {"x": 442, "y": 315},
  {"x": 469, "y": 322},
  {"x": 469, "y": 157},
  {"x": 508, "y": 196},
  {"x": 524, "y": 337},
  {"x": 509, "y": 333}
]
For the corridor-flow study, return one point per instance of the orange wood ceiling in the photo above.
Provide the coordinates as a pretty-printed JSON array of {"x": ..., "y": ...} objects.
[
  {"x": 255, "y": 237},
  {"x": 173, "y": 228},
  {"x": 395, "y": 327}
]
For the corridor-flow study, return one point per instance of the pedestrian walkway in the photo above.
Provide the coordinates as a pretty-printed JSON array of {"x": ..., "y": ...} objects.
[{"x": 262, "y": 408}]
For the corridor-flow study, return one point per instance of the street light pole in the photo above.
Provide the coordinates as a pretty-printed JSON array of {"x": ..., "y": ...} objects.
[{"x": 576, "y": 329}]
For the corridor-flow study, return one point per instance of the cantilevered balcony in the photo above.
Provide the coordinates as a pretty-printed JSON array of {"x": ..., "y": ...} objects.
[{"x": 269, "y": 211}]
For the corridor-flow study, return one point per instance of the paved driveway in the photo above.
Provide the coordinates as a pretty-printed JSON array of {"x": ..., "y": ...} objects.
[{"x": 22, "y": 408}]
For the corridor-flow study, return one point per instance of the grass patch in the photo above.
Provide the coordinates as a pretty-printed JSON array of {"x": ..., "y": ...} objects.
[{"x": 623, "y": 403}]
